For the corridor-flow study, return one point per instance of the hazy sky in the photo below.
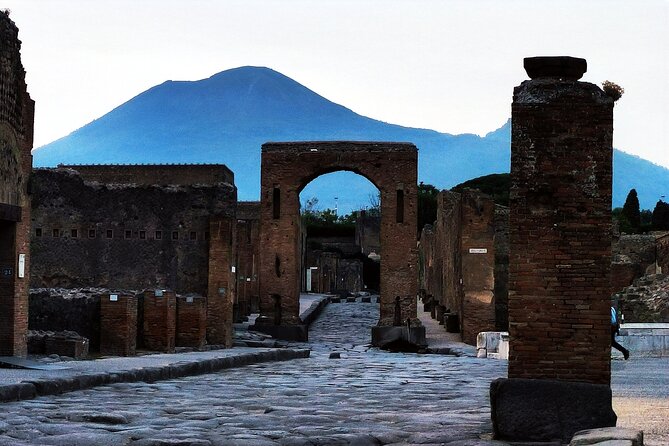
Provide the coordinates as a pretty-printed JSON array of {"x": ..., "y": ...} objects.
[{"x": 445, "y": 65}]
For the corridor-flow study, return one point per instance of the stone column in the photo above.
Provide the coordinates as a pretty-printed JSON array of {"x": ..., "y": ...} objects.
[{"x": 560, "y": 256}]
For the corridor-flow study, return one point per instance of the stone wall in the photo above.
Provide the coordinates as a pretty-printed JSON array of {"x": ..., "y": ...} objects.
[
  {"x": 560, "y": 230},
  {"x": 88, "y": 233},
  {"x": 16, "y": 141},
  {"x": 154, "y": 174},
  {"x": 368, "y": 233},
  {"x": 458, "y": 258},
  {"x": 67, "y": 310},
  {"x": 248, "y": 256}
]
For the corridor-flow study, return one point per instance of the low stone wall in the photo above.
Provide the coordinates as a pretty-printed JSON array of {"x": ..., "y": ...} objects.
[
  {"x": 645, "y": 339},
  {"x": 67, "y": 310}
]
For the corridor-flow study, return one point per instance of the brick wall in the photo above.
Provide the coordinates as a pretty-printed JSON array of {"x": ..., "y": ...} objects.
[
  {"x": 248, "y": 237},
  {"x": 459, "y": 254},
  {"x": 222, "y": 281},
  {"x": 87, "y": 234},
  {"x": 16, "y": 141},
  {"x": 159, "y": 320},
  {"x": 288, "y": 167},
  {"x": 155, "y": 174},
  {"x": 477, "y": 248},
  {"x": 560, "y": 231},
  {"x": 191, "y": 330},
  {"x": 118, "y": 324}
]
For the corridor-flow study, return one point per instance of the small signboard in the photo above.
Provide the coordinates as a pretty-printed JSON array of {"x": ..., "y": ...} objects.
[
  {"x": 234, "y": 269},
  {"x": 158, "y": 293},
  {"x": 22, "y": 266},
  {"x": 189, "y": 299},
  {"x": 478, "y": 250},
  {"x": 113, "y": 297}
]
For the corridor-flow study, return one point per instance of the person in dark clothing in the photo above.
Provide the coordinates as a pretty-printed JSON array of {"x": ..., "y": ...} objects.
[{"x": 615, "y": 329}]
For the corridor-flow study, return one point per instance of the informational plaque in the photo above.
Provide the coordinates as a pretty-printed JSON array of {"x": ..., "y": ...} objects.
[{"x": 478, "y": 250}]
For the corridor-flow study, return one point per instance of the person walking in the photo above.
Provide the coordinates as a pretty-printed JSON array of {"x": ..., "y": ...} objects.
[{"x": 615, "y": 329}]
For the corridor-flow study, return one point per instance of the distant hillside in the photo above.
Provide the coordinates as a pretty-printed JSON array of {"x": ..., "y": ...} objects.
[{"x": 226, "y": 118}]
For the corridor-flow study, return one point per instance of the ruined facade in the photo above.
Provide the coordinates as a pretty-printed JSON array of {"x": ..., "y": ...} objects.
[
  {"x": 247, "y": 258},
  {"x": 458, "y": 263},
  {"x": 149, "y": 231},
  {"x": 288, "y": 167},
  {"x": 16, "y": 141},
  {"x": 138, "y": 227},
  {"x": 560, "y": 226}
]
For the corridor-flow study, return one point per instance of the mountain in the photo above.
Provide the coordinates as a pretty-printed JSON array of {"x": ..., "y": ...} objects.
[{"x": 227, "y": 117}]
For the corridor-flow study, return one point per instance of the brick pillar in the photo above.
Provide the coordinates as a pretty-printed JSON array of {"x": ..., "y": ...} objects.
[
  {"x": 159, "y": 320},
  {"x": 118, "y": 324},
  {"x": 191, "y": 321},
  {"x": 560, "y": 225},
  {"x": 221, "y": 288}
]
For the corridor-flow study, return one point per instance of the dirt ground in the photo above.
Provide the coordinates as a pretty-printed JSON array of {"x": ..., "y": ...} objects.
[{"x": 641, "y": 397}]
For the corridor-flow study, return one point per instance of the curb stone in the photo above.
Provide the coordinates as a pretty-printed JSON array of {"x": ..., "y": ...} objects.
[{"x": 41, "y": 387}]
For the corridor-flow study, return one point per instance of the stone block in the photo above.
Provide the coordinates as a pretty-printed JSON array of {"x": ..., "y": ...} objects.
[
  {"x": 608, "y": 434},
  {"x": 548, "y": 410},
  {"x": 74, "y": 348},
  {"x": 299, "y": 333},
  {"x": 384, "y": 335}
]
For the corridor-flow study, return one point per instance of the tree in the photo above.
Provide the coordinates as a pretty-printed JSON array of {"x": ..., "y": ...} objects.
[
  {"x": 427, "y": 205},
  {"x": 631, "y": 212},
  {"x": 661, "y": 216}
]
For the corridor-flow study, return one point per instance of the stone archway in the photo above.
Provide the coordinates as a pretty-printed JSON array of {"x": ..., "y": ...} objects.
[{"x": 286, "y": 169}]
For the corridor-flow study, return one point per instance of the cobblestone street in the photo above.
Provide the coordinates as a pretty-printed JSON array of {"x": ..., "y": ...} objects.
[{"x": 365, "y": 397}]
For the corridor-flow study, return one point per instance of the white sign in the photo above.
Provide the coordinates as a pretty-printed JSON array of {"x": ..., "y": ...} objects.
[
  {"x": 22, "y": 266},
  {"x": 478, "y": 250},
  {"x": 234, "y": 269},
  {"x": 113, "y": 297},
  {"x": 189, "y": 299}
]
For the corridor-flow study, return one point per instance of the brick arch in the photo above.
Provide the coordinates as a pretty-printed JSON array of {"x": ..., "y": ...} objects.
[{"x": 285, "y": 170}]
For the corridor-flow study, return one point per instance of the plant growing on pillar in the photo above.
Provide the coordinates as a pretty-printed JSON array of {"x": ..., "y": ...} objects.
[{"x": 613, "y": 90}]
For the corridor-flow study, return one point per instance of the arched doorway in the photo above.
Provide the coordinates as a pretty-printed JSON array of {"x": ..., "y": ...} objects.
[{"x": 286, "y": 169}]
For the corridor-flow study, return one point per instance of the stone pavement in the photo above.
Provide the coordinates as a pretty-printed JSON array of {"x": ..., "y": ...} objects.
[{"x": 367, "y": 397}]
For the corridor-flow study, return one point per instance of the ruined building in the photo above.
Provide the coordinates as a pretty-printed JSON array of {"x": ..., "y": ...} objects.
[
  {"x": 16, "y": 141},
  {"x": 137, "y": 227},
  {"x": 462, "y": 276}
]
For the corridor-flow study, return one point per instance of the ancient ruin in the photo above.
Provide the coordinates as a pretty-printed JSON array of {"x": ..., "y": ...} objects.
[
  {"x": 286, "y": 169},
  {"x": 559, "y": 257},
  {"x": 16, "y": 140}
]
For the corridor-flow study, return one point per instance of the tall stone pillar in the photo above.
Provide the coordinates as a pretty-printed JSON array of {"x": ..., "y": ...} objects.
[{"x": 560, "y": 256}]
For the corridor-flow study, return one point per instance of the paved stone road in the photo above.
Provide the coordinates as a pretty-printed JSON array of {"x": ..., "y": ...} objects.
[{"x": 366, "y": 397}]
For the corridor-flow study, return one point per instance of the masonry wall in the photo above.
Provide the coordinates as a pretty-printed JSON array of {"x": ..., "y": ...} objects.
[
  {"x": 288, "y": 167},
  {"x": 127, "y": 236},
  {"x": 154, "y": 174},
  {"x": 16, "y": 141},
  {"x": 560, "y": 231},
  {"x": 458, "y": 258},
  {"x": 248, "y": 257}
]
